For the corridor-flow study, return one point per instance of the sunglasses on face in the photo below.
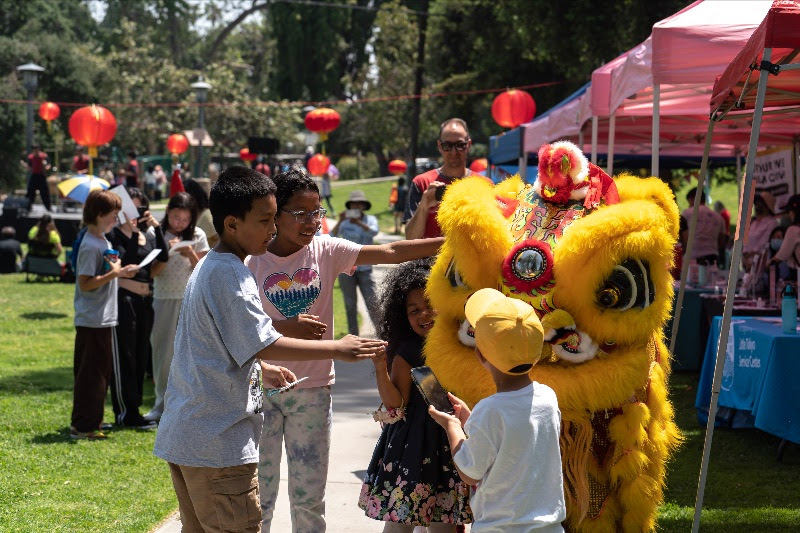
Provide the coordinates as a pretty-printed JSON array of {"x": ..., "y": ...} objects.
[
  {"x": 447, "y": 146},
  {"x": 304, "y": 216}
]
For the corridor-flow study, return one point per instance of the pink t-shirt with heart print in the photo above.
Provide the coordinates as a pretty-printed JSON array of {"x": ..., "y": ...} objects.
[{"x": 303, "y": 283}]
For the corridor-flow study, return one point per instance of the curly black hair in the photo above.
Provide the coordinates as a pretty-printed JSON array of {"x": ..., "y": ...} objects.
[
  {"x": 293, "y": 180},
  {"x": 393, "y": 326}
]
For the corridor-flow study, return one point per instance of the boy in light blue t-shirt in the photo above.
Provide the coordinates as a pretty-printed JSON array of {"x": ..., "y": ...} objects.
[
  {"x": 95, "y": 314},
  {"x": 212, "y": 420}
]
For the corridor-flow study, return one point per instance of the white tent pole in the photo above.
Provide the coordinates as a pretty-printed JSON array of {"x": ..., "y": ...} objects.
[
  {"x": 523, "y": 165},
  {"x": 580, "y": 139},
  {"x": 722, "y": 343},
  {"x": 594, "y": 140},
  {"x": 612, "y": 126},
  {"x": 687, "y": 256},
  {"x": 656, "y": 132}
]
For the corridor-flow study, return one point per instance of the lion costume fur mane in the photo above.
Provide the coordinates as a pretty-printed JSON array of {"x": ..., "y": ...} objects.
[{"x": 603, "y": 307}]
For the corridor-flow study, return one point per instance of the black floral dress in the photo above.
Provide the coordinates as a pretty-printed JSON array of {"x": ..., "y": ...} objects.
[{"x": 411, "y": 478}]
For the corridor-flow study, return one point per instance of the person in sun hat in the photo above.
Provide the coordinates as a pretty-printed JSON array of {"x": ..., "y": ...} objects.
[
  {"x": 357, "y": 226},
  {"x": 512, "y": 453}
]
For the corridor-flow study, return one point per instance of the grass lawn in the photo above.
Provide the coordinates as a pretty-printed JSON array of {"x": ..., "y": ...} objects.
[
  {"x": 49, "y": 482},
  {"x": 377, "y": 193}
]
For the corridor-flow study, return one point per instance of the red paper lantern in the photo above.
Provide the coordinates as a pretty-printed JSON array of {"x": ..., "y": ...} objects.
[
  {"x": 479, "y": 165},
  {"x": 512, "y": 108},
  {"x": 49, "y": 111},
  {"x": 318, "y": 164},
  {"x": 92, "y": 126},
  {"x": 177, "y": 143},
  {"x": 323, "y": 121},
  {"x": 397, "y": 167},
  {"x": 245, "y": 155}
]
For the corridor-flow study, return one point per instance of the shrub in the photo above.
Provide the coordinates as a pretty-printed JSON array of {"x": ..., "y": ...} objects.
[{"x": 351, "y": 168}]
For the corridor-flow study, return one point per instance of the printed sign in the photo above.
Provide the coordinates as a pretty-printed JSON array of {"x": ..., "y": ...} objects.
[{"x": 774, "y": 173}]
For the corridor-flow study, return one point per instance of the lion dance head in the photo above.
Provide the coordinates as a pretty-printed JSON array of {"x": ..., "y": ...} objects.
[{"x": 591, "y": 255}]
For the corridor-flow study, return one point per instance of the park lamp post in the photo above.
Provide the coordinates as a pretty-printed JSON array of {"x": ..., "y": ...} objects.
[
  {"x": 30, "y": 79},
  {"x": 201, "y": 88}
]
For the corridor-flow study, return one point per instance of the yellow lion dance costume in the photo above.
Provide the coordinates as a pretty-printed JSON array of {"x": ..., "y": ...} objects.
[{"x": 592, "y": 256}]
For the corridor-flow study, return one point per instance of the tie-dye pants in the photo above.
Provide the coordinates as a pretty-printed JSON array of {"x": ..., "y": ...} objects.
[{"x": 302, "y": 419}]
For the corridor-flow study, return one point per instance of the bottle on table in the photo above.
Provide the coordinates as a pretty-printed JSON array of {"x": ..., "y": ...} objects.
[{"x": 789, "y": 309}]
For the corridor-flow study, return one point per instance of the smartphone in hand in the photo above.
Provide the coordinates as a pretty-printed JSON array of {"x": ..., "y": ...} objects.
[
  {"x": 273, "y": 392},
  {"x": 440, "y": 193},
  {"x": 431, "y": 390}
]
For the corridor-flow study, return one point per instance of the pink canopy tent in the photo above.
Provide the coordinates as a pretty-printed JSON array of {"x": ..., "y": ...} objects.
[
  {"x": 672, "y": 71},
  {"x": 638, "y": 115},
  {"x": 778, "y": 87}
]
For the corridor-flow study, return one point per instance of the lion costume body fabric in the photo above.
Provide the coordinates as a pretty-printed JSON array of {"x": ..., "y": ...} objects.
[{"x": 592, "y": 256}]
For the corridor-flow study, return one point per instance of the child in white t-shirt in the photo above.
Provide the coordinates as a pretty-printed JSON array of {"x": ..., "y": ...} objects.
[
  {"x": 295, "y": 279},
  {"x": 512, "y": 453}
]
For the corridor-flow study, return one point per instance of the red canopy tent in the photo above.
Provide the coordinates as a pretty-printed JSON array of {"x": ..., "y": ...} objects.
[{"x": 777, "y": 87}]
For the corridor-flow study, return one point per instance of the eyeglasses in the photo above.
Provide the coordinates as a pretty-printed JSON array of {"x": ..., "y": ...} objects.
[
  {"x": 447, "y": 146},
  {"x": 304, "y": 216}
]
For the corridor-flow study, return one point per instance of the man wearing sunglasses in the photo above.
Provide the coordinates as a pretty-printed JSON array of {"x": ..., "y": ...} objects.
[{"x": 423, "y": 200}]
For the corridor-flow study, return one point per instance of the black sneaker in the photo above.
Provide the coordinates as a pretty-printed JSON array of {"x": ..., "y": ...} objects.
[{"x": 139, "y": 423}]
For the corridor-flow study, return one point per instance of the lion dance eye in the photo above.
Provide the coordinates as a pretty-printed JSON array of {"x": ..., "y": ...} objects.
[
  {"x": 453, "y": 276},
  {"x": 608, "y": 297},
  {"x": 629, "y": 285}
]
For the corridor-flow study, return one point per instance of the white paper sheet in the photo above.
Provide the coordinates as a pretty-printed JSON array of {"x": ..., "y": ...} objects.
[
  {"x": 128, "y": 207},
  {"x": 149, "y": 259},
  {"x": 178, "y": 245}
]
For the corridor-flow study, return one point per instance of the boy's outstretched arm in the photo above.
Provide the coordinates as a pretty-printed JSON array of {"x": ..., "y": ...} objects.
[
  {"x": 455, "y": 435},
  {"x": 349, "y": 348},
  {"x": 399, "y": 251}
]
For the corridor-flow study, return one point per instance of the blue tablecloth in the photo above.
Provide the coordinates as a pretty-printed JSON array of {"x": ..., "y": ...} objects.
[{"x": 761, "y": 376}]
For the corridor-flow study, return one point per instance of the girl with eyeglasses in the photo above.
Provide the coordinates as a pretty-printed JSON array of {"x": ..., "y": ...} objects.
[
  {"x": 169, "y": 283},
  {"x": 295, "y": 279}
]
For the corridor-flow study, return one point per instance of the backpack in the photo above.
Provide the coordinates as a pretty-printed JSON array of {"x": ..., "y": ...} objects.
[{"x": 73, "y": 254}]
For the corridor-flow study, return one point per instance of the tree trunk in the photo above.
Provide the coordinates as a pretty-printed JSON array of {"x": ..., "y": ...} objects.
[
  {"x": 383, "y": 161},
  {"x": 418, "y": 73},
  {"x": 215, "y": 46}
]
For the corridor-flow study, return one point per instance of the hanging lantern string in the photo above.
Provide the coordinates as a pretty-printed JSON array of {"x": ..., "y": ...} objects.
[{"x": 299, "y": 103}]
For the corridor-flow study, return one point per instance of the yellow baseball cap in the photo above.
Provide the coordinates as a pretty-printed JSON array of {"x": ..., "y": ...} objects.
[{"x": 507, "y": 331}]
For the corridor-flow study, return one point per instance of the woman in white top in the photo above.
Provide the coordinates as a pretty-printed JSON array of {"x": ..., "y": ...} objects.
[{"x": 187, "y": 245}]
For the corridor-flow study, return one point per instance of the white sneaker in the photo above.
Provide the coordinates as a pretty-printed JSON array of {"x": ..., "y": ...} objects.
[{"x": 152, "y": 416}]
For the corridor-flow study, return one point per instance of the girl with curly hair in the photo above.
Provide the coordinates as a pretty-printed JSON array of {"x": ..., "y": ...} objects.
[{"x": 411, "y": 479}]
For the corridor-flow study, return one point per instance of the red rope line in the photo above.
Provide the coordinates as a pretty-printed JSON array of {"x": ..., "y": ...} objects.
[{"x": 292, "y": 104}]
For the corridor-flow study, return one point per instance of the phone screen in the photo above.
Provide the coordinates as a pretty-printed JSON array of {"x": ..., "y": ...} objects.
[
  {"x": 440, "y": 193},
  {"x": 431, "y": 389}
]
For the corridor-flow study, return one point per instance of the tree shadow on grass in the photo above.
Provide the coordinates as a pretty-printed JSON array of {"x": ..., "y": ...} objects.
[
  {"x": 42, "y": 315},
  {"x": 38, "y": 381}
]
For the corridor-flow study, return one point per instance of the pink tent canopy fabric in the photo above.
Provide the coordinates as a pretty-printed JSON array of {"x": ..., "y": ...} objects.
[
  {"x": 694, "y": 44},
  {"x": 690, "y": 47},
  {"x": 780, "y": 30}
]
